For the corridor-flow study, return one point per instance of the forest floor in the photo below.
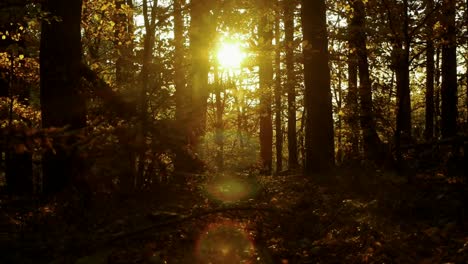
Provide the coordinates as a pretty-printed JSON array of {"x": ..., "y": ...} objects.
[{"x": 354, "y": 218}]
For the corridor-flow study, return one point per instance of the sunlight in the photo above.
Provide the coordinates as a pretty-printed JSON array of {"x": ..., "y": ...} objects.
[
  {"x": 225, "y": 242},
  {"x": 230, "y": 55},
  {"x": 229, "y": 190}
]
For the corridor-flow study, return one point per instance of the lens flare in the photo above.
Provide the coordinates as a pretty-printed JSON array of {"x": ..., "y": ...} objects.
[
  {"x": 225, "y": 242},
  {"x": 227, "y": 189}
]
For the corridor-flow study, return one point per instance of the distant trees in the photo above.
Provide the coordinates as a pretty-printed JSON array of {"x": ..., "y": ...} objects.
[{"x": 380, "y": 59}]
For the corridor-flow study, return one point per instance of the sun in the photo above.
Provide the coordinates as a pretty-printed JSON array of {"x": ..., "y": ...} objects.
[{"x": 230, "y": 55}]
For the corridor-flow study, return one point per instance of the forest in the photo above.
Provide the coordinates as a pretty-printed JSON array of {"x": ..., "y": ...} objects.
[{"x": 233, "y": 131}]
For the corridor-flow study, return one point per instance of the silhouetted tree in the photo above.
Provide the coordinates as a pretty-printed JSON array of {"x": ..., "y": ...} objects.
[
  {"x": 319, "y": 139},
  {"x": 62, "y": 104}
]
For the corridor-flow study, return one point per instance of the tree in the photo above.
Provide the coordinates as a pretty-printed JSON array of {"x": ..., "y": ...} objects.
[
  {"x": 278, "y": 94},
  {"x": 319, "y": 139},
  {"x": 352, "y": 105},
  {"x": 201, "y": 27},
  {"x": 182, "y": 95},
  {"x": 62, "y": 104},
  {"x": 430, "y": 52},
  {"x": 149, "y": 17},
  {"x": 449, "y": 70},
  {"x": 289, "y": 7},
  {"x": 265, "y": 31},
  {"x": 401, "y": 61},
  {"x": 371, "y": 141}
]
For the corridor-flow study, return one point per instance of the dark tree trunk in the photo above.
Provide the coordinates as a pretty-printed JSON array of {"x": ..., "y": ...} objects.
[
  {"x": 182, "y": 93},
  {"x": 401, "y": 54},
  {"x": 289, "y": 7},
  {"x": 124, "y": 75},
  {"x": 429, "y": 115},
  {"x": 149, "y": 17},
  {"x": 319, "y": 139},
  {"x": 371, "y": 141},
  {"x": 278, "y": 95},
  {"x": 266, "y": 80},
  {"x": 449, "y": 71},
  {"x": 62, "y": 104},
  {"x": 437, "y": 94},
  {"x": 200, "y": 38},
  {"x": 352, "y": 105}
]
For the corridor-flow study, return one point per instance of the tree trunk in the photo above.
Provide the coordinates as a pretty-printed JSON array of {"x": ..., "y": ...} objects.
[
  {"x": 219, "y": 126},
  {"x": 62, "y": 105},
  {"x": 319, "y": 139},
  {"x": 266, "y": 80},
  {"x": 429, "y": 115},
  {"x": 182, "y": 93},
  {"x": 352, "y": 105},
  {"x": 449, "y": 71},
  {"x": 148, "y": 46},
  {"x": 278, "y": 95},
  {"x": 124, "y": 75},
  {"x": 200, "y": 37},
  {"x": 371, "y": 141},
  {"x": 289, "y": 7},
  {"x": 437, "y": 94}
]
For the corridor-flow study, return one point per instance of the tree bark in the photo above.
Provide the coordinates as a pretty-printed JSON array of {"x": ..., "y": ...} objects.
[
  {"x": 182, "y": 93},
  {"x": 371, "y": 141},
  {"x": 429, "y": 114},
  {"x": 352, "y": 104},
  {"x": 62, "y": 105},
  {"x": 278, "y": 95},
  {"x": 449, "y": 71},
  {"x": 289, "y": 7},
  {"x": 266, "y": 80},
  {"x": 437, "y": 94},
  {"x": 200, "y": 38},
  {"x": 148, "y": 46},
  {"x": 319, "y": 139}
]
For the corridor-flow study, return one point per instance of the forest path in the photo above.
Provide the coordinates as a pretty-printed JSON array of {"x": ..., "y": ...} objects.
[{"x": 240, "y": 219}]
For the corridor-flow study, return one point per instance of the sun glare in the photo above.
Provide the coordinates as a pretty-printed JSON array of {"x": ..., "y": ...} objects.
[{"x": 230, "y": 55}]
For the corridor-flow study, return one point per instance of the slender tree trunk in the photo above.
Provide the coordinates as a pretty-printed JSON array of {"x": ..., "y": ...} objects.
[
  {"x": 352, "y": 96},
  {"x": 437, "y": 94},
  {"x": 319, "y": 137},
  {"x": 429, "y": 128},
  {"x": 124, "y": 76},
  {"x": 148, "y": 46},
  {"x": 62, "y": 104},
  {"x": 401, "y": 62},
  {"x": 289, "y": 7},
  {"x": 182, "y": 94},
  {"x": 449, "y": 71},
  {"x": 371, "y": 141},
  {"x": 339, "y": 103},
  {"x": 278, "y": 95},
  {"x": 265, "y": 31},
  {"x": 219, "y": 126}
]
